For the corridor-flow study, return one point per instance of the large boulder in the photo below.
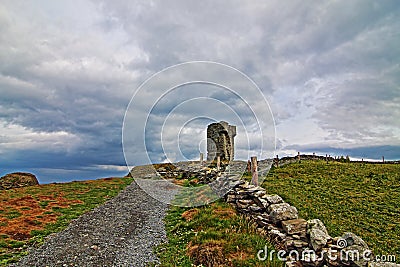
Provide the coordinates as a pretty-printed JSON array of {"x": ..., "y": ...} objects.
[
  {"x": 17, "y": 179},
  {"x": 318, "y": 234}
]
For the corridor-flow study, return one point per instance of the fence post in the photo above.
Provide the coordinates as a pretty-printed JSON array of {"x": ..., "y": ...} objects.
[
  {"x": 254, "y": 171},
  {"x": 298, "y": 156},
  {"x": 201, "y": 159},
  {"x": 383, "y": 159},
  {"x": 277, "y": 161}
]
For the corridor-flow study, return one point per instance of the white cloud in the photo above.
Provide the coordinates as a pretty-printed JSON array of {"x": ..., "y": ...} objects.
[{"x": 16, "y": 137}]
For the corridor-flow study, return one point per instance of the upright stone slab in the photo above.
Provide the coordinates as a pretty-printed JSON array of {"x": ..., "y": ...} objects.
[
  {"x": 254, "y": 171},
  {"x": 220, "y": 141}
]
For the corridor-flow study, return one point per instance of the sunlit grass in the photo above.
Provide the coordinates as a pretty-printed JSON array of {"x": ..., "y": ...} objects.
[
  {"x": 212, "y": 235},
  {"x": 355, "y": 197}
]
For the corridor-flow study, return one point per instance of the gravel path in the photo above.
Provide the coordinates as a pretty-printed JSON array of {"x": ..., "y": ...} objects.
[{"x": 122, "y": 232}]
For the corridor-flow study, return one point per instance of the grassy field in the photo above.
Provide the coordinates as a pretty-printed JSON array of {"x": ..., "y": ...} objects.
[
  {"x": 212, "y": 235},
  {"x": 29, "y": 214},
  {"x": 360, "y": 198}
]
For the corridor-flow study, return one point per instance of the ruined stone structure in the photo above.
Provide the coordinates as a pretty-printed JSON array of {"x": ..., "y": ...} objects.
[{"x": 220, "y": 141}]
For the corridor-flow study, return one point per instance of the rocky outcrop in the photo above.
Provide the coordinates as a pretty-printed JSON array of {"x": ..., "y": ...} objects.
[{"x": 17, "y": 179}]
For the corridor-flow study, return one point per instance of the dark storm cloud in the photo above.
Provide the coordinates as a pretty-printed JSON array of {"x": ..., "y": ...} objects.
[{"x": 329, "y": 69}]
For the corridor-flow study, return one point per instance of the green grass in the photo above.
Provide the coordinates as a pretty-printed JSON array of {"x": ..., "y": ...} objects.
[
  {"x": 12, "y": 214},
  {"x": 360, "y": 198},
  {"x": 53, "y": 206},
  {"x": 211, "y": 235}
]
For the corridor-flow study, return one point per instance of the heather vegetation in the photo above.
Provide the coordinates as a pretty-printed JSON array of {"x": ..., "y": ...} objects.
[{"x": 29, "y": 214}]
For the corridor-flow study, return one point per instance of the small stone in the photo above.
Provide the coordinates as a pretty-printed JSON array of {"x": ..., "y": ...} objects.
[
  {"x": 311, "y": 259},
  {"x": 94, "y": 247},
  {"x": 332, "y": 257},
  {"x": 294, "y": 244},
  {"x": 318, "y": 234},
  {"x": 277, "y": 234},
  {"x": 291, "y": 264},
  {"x": 296, "y": 236},
  {"x": 354, "y": 245},
  {"x": 244, "y": 185},
  {"x": 255, "y": 189},
  {"x": 241, "y": 192},
  {"x": 230, "y": 198},
  {"x": 273, "y": 199},
  {"x": 259, "y": 193},
  {"x": 352, "y": 239},
  {"x": 354, "y": 256},
  {"x": 296, "y": 226},
  {"x": 246, "y": 201},
  {"x": 282, "y": 212},
  {"x": 255, "y": 208},
  {"x": 262, "y": 203},
  {"x": 262, "y": 223}
]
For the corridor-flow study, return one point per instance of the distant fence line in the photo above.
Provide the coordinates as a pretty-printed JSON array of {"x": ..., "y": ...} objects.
[{"x": 290, "y": 159}]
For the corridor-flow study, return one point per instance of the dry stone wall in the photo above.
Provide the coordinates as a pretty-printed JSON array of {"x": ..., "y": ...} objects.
[{"x": 303, "y": 243}]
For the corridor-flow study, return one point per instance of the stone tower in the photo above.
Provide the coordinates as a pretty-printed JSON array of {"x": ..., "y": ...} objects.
[{"x": 220, "y": 141}]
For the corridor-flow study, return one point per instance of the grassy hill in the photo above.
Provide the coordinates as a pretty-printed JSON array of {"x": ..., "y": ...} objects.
[{"x": 355, "y": 197}]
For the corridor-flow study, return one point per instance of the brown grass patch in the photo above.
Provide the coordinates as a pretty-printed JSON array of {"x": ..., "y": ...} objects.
[
  {"x": 239, "y": 256},
  {"x": 224, "y": 213},
  {"x": 33, "y": 215},
  {"x": 179, "y": 182},
  {"x": 189, "y": 214},
  {"x": 208, "y": 254},
  {"x": 212, "y": 253}
]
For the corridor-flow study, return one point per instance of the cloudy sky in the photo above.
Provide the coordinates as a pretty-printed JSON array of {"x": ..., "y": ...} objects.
[{"x": 330, "y": 71}]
